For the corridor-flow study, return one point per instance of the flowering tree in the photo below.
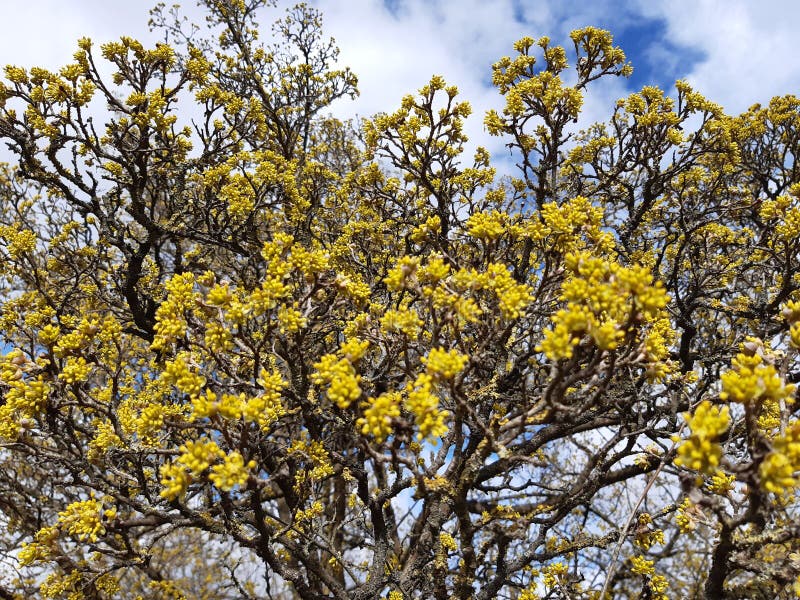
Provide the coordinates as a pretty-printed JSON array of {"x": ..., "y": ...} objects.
[{"x": 340, "y": 362}]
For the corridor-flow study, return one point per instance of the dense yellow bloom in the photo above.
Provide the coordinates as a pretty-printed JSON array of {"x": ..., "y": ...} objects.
[
  {"x": 178, "y": 373},
  {"x": 401, "y": 274},
  {"x": 641, "y": 566},
  {"x": 25, "y": 396},
  {"x": 85, "y": 519},
  {"x": 721, "y": 483},
  {"x": 378, "y": 415},
  {"x": 175, "y": 480},
  {"x": 290, "y": 319},
  {"x": 751, "y": 380},
  {"x": 316, "y": 455},
  {"x": 218, "y": 338},
  {"x": 487, "y": 226},
  {"x": 339, "y": 375},
  {"x": 424, "y": 405},
  {"x": 198, "y": 455},
  {"x": 210, "y": 404},
  {"x": 513, "y": 297},
  {"x": 701, "y": 451},
  {"x": 404, "y": 320},
  {"x": 444, "y": 364},
  {"x": 18, "y": 241},
  {"x": 171, "y": 314},
  {"x": 75, "y": 370},
  {"x": 601, "y": 298},
  {"x": 231, "y": 472},
  {"x": 777, "y": 471}
]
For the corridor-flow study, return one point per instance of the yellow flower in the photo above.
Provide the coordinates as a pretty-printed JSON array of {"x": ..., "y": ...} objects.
[
  {"x": 231, "y": 472},
  {"x": 701, "y": 451}
]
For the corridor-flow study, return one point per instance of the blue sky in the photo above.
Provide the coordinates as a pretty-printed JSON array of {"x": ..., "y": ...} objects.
[{"x": 737, "y": 52}]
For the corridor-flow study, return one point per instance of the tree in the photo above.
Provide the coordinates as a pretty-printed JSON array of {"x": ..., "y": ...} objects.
[{"x": 254, "y": 351}]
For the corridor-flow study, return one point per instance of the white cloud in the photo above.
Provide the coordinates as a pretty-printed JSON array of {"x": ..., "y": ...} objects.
[
  {"x": 45, "y": 32},
  {"x": 749, "y": 48}
]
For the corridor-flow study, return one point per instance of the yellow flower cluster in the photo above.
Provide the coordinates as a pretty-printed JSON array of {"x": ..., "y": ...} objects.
[
  {"x": 645, "y": 536},
  {"x": 777, "y": 471},
  {"x": 177, "y": 372},
  {"x": 175, "y": 480},
  {"x": 314, "y": 453},
  {"x": 686, "y": 516},
  {"x": 336, "y": 371},
  {"x": 512, "y": 297},
  {"x": 444, "y": 364},
  {"x": 218, "y": 338},
  {"x": 657, "y": 583},
  {"x": 401, "y": 275},
  {"x": 198, "y": 455},
  {"x": 424, "y": 405},
  {"x": 85, "y": 519},
  {"x": 104, "y": 439},
  {"x": 487, "y": 226},
  {"x": 231, "y": 472},
  {"x": 75, "y": 370},
  {"x": 18, "y": 241},
  {"x": 570, "y": 225},
  {"x": 431, "y": 226},
  {"x": 554, "y": 574},
  {"x": 209, "y": 405},
  {"x": 290, "y": 319},
  {"x": 751, "y": 380},
  {"x": 378, "y": 415},
  {"x": 40, "y": 548},
  {"x": 266, "y": 408},
  {"x": 701, "y": 451},
  {"x": 602, "y": 297},
  {"x": 791, "y": 312},
  {"x": 721, "y": 483},
  {"x": 403, "y": 320},
  {"x": 641, "y": 566},
  {"x": 26, "y": 395},
  {"x": 171, "y": 314}
]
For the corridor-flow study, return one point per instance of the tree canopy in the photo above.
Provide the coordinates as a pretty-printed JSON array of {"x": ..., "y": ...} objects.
[{"x": 253, "y": 351}]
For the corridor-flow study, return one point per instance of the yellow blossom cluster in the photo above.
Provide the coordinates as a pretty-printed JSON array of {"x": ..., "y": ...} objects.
[
  {"x": 336, "y": 371},
  {"x": 603, "y": 300},
  {"x": 512, "y": 297},
  {"x": 701, "y": 451},
  {"x": 791, "y": 312},
  {"x": 40, "y": 548},
  {"x": 378, "y": 415},
  {"x": 26, "y": 395},
  {"x": 75, "y": 370},
  {"x": 424, "y": 405},
  {"x": 645, "y": 536},
  {"x": 487, "y": 226},
  {"x": 777, "y": 472},
  {"x": 444, "y": 364},
  {"x": 85, "y": 519},
  {"x": 18, "y": 241},
  {"x": 402, "y": 320},
  {"x": 210, "y": 404},
  {"x": 314, "y": 453},
  {"x": 171, "y": 314},
  {"x": 266, "y": 408},
  {"x": 198, "y": 455},
  {"x": 179, "y": 373},
  {"x": 753, "y": 380},
  {"x": 232, "y": 471},
  {"x": 572, "y": 226}
]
